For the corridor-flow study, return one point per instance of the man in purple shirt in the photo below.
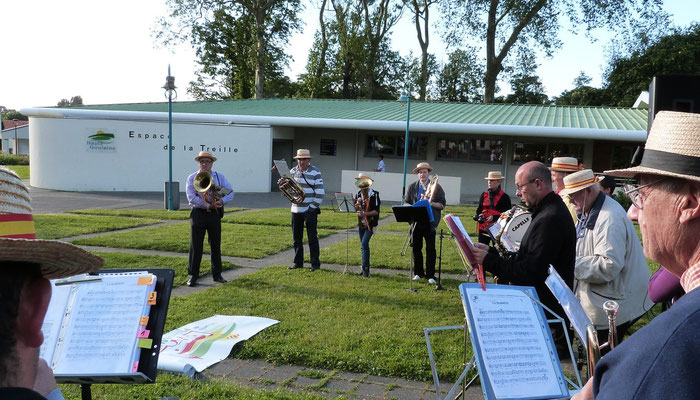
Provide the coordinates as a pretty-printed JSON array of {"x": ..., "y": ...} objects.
[{"x": 205, "y": 218}]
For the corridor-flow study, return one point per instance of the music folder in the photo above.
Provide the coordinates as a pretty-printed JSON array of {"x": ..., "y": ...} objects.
[{"x": 411, "y": 214}]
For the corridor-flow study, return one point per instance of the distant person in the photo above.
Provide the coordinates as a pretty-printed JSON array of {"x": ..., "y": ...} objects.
[
  {"x": 494, "y": 157},
  {"x": 380, "y": 166},
  {"x": 205, "y": 219},
  {"x": 492, "y": 203},
  {"x": 607, "y": 184},
  {"x": 26, "y": 265}
]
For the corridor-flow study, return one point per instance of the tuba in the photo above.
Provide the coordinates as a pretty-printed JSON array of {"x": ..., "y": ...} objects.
[
  {"x": 594, "y": 347},
  {"x": 211, "y": 192},
  {"x": 290, "y": 189}
]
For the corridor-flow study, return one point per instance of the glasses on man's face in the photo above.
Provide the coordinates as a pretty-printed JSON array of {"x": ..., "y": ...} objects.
[
  {"x": 635, "y": 193},
  {"x": 520, "y": 187},
  {"x": 205, "y": 161}
]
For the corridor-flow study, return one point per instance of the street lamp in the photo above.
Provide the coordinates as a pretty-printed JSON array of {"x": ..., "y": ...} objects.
[
  {"x": 405, "y": 99},
  {"x": 169, "y": 90},
  {"x": 15, "y": 121}
]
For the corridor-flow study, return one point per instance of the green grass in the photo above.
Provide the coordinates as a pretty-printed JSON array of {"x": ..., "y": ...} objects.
[
  {"x": 55, "y": 226},
  {"x": 282, "y": 217},
  {"x": 338, "y": 322},
  {"x": 156, "y": 214},
  {"x": 176, "y": 386},
  {"x": 385, "y": 250},
  {"x": 115, "y": 260},
  {"x": 21, "y": 170},
  {"x": 251, "y": 241}
]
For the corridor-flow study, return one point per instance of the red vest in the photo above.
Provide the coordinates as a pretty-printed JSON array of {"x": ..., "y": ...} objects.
[{"x": 488, "y": 211}]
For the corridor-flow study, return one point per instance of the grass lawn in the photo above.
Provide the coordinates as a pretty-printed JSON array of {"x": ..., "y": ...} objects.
[
  {"x": 183, "y": 388},
  {"x": 156, "y": 214},
  {"x": 115, "y": 260},
  {"x": 251, "y": 241},
  {"x": 55, "y": 226},
  {"x": 338, "y": 322},
  {"x": 282, "y": 217},
  {"x": 385, "y": 250},
  {"x": 21, "y": 170}
]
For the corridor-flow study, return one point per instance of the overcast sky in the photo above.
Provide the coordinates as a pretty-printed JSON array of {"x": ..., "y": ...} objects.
[{"x": 105, "y": 52}]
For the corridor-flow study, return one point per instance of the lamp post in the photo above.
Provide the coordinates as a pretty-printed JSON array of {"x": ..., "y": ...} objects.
[
  {"x": 169, "y": 90},
  {"x": 405, "y": 99},
  {"x": 14, "y": 122}
]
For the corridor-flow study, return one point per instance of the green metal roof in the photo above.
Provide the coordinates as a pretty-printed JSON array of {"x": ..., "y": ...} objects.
[{"x": 429, "y": 112}]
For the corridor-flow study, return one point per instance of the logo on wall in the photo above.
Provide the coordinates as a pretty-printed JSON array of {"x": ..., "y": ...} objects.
[{"x": 101, "y": 142}]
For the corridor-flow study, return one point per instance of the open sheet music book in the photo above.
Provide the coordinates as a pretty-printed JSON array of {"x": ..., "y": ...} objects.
[
  {"x": 98, "y": 327},
  {"x": 282, "y": 168},
  {"x": 512, "y": 343},
  {"x": 465, "y": 245}
]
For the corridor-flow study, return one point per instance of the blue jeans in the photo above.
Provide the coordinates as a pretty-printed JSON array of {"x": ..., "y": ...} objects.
[
  {"x": 310, "y": 218},
  {"x": 365, "y": 236}
]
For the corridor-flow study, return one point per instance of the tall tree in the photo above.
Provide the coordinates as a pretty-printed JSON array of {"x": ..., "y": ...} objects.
[
  {"x": 273, "y": 21},
  {"x": 379, "y": 17},
  {"x": 526, "y": 86},
  {"x": 513, "y": 24},
  {"x": 421, "y": 12},
  {"x": 461, "y": 78},
  {"x": 74, "y": 101},
  {"x": 582, "y": 94}
]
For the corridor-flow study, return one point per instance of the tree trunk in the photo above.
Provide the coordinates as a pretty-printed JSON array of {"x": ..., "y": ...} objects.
[
  {"x": 322, "y": 57},
  {"x": 424, "y": 48}
]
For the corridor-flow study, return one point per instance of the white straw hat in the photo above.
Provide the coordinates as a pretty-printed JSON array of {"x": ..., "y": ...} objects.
[
  {"x": 494, "y": 176},
  {"x": 303, "y": 153},
  {"x": 422, "y": 165},
  {"x": 578, "y": 181},
  {"x": 18, "y": 239},
  {"x": 672, "y": 148},
  {"x": 564, "y": 164}
]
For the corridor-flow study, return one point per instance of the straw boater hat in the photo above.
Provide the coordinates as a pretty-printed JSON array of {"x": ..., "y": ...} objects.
[
  {"x": 422, "y": 165},
  {"x": 494, "y": 176},
  {"x": 363, "y": 178},
  {"x": 564, "y": 164},
  {"x": 303, "y": 153},
  {"x": 672, "y": 148},
  {"x": 18, "y": 240},
  {"x": 205, "y": 154},
  {"x": 578, "y": 181}
]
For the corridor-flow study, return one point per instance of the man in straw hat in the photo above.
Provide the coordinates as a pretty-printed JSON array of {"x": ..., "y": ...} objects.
[
  {"x": 310, "y": 179},
  {"x": 492, "y": 203},
  {"x": 367, "y": 206},
  {"x": 26, "y": 265},
  {"x": 550, "y": 240},
  {"x": 205, "y": 219},
  {"x": 416, "y": 192},
  {"x": 610, "y": 263},
  {"x": 660, "y": 360},
  {"x": 561, "y": 167}
]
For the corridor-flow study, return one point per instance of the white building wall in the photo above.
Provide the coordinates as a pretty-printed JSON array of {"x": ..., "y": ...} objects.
[{"x": 65, "y": 157}]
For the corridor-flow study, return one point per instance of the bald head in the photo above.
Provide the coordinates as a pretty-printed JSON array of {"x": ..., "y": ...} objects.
[{"x": 534, "y": 182}]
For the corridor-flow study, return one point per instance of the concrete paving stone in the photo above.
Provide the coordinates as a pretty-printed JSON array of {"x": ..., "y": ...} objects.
[
  {"x": 339, "y": 385},
  {"x": 224, "y": 368},
  {"x": 379, "y": 379},
  {"x": 303, "y": 381},
  {"x": 370, "y": 389},
  {"x": 411, "y": 384},
  {"x": 282, "y": 373},
  {"x": 405, "y": 393},
  {"x": 249, "y": 370},
  {"x": 350, "y": 376}
]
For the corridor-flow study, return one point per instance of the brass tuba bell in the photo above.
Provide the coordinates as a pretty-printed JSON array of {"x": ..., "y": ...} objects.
[
  {"x": 290, "y": 189},
  {"x": 203, "y": 182}
]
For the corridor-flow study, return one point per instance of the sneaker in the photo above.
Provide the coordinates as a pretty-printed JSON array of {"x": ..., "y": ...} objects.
[
  {"x": 431, "y": 281},
  {"x": 416, "y": 278}
]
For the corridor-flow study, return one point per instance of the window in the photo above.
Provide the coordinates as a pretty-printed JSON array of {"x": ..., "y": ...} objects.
[
  {"x": 328, "y": 147},
  {"x": 470, "y": 150},
  {"x": 545, "y": 152},
  {"x": 393, "y": 145}
]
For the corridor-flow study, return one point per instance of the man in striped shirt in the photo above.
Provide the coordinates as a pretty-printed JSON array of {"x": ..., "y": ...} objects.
[{"x": 311, "y": 181}]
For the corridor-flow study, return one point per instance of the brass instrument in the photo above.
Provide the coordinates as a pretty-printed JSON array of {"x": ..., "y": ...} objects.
[
  {"x": 211, "y": 192},
  {"x": 594, "y": 347},
  {"x": 290, "y": 189},
  {"x": 363, "y": 205},
  {"x": 431, "y": 189}
]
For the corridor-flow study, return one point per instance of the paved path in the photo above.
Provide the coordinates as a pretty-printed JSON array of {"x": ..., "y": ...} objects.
[{"x": 254, "y": 373}]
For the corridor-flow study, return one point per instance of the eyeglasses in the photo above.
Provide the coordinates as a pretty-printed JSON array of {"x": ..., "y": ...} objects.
[
  {"x": 635, "y": 194},
  {"x": 520, "y": 187},
  {"x": 205, "y": 161}
]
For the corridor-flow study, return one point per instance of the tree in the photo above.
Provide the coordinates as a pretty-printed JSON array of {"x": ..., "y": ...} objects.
[
  {"x": 525, "y": 84},
  {"x": 74, "y": 101},
  {"x": 421, "y": 12},
  {"x": 582, "y": 94},
  {"x": 12, "y": 114},
  {"x": 271, "y": 22},
  {"x": 460, "y": 79},
  {"x": 529, "y": 24},
  {"x": 379, "y": 17},
  {"x": 676, "y": 53}
]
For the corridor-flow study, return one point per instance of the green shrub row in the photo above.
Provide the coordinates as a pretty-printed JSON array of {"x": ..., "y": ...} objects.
[{"x": 14, "y": 159}]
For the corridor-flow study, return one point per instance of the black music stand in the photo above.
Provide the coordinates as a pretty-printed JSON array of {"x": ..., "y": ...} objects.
[
  {"x": 412, "y": 215},
  {"x": 343, "y": 202}
]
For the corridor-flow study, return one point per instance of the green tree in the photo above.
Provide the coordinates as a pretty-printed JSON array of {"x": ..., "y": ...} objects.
[
  {"x": 460, "y": 78},
  {"x": 12, "y": 114},
  {"x": 421, "y": 13},
  {"x": 582, "y": 94},
  {"x": 74, "y": 101},
  {"x": 677, "y": 53},
  {"x": 379, "y": 17},
  {"x": 529, "y": 24}
]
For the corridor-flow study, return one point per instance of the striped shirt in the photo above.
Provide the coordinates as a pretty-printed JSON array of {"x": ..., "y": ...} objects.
[
  {"x": 691, "y": 278},
  {"x": 311, "y": 182}
]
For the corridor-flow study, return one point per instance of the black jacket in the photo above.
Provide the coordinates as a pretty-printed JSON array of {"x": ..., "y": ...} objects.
[
  {"x": 550, "y": 239},
  {"x": 412, "y": 198}
]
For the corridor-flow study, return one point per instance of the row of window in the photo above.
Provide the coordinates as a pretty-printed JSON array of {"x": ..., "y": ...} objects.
[{"x": 481, "y": 150}]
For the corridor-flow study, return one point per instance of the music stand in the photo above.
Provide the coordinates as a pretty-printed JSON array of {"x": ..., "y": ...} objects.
[
  {"x": 343, "y": 202},
  {"x": 412, "y": 215}
]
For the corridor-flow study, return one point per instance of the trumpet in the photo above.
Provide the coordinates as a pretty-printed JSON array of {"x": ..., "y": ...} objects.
[{"x": 594, "y": 347}]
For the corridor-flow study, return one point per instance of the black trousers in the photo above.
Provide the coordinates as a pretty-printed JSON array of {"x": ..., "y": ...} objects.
[
  {"x": 209, "y": 223},
  {"x": 310, "y": 218},
  {"x": 420, "y": 233}
]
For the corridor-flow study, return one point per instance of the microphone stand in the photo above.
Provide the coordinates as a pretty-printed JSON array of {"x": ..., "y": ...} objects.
[{"x": 439, "y": 286}]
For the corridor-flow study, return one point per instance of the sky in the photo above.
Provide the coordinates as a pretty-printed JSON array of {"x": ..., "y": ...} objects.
[{"x": 105, "y": 52}]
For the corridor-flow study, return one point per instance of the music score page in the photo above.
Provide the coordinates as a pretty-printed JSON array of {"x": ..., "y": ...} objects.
[{"x": 509, "y": 339}]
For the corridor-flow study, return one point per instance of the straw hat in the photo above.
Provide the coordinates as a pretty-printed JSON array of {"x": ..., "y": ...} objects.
[
  {"x": 205, "y": 154},
  {"x": 303, "y": 153},
  {"x": 578, "y": 181},
  {"x": 422, "y": 165},
  {"x": 18, "y": 239},
  {"x": 362, "y": 180},
  {"x": 494, "y": 176},
  {"x": 672, "y": 148},
  {"x": 564, "y": 164}
]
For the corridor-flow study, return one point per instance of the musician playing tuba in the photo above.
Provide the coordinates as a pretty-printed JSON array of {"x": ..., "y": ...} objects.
[
  {"x": 207, "y": 211},
  {"x": 426, "y": 188},
  {"x": 367, "y": 205}
]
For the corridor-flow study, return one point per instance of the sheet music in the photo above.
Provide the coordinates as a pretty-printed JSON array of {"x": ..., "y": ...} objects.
[
  {"x": 572, "y": 307},
  {"x": 517, "y": 360},
  {"x": 52, "y": 320},
  {"x": 282, "y": 168}
]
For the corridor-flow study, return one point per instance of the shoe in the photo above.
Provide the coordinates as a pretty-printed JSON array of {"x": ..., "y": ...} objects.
[
  {"x": 416, "y": 278},
  {"x": 294, "y": 267},
  {"x": 315, "y": 269},
  {"x": 431, "y": 281},
  {"x": 220, "y": 279},
  {"x": 191, "y": 282}
]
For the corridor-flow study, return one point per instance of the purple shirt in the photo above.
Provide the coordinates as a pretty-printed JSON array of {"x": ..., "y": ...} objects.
[{"x": 664, "y": 286}]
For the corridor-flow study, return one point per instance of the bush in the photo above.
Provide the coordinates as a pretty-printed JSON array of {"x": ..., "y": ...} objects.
[
  {"x": 14, "y": 159},
  {"x": 623, "y": 199}
]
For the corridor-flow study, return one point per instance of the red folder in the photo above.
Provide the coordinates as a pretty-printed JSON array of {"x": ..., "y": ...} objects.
[{"x": 465, "y": 246}]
